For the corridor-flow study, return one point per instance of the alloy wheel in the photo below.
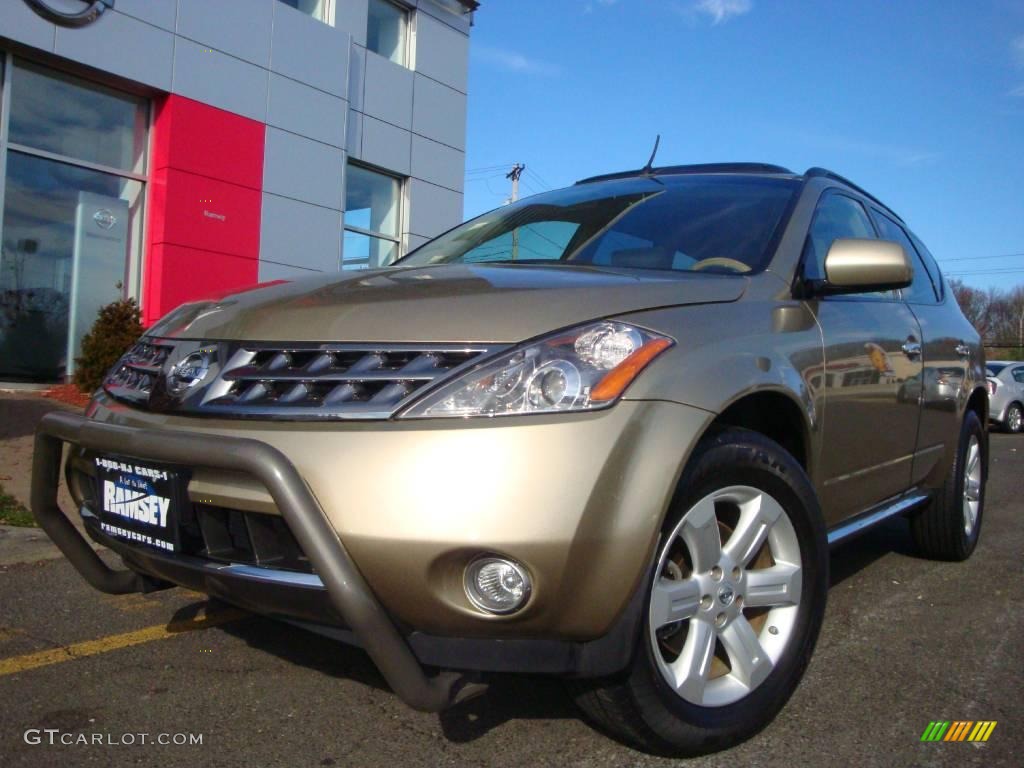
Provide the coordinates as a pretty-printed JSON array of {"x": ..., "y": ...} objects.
[
  {"x": 972, "y": 485},
  {"x": 1014, "y": 418},
  {"x": 722, "y": 614}
]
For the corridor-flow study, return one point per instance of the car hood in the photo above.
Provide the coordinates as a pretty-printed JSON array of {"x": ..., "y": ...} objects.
[{"x": 442, "y": 303}]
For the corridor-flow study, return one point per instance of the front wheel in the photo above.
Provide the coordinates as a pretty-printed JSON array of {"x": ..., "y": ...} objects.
[{"x": 734, "y": 606}]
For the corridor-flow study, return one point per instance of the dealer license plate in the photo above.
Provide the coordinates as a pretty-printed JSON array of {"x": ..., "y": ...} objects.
[{"x": 139, "y": 502}]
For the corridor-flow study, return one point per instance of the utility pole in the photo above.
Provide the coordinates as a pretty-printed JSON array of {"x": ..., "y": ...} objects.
[{"x": 514, "y": 174}]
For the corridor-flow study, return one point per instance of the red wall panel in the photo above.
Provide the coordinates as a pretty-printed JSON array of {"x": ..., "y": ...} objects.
[{"x": 204, "y": 204}]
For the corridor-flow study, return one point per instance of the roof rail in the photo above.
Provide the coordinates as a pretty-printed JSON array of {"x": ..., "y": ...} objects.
[
  {"x": 827, "y": 174},
  {"x": 691, "y": 169}
]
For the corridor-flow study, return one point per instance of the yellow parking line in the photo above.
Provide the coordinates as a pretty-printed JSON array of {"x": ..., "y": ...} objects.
[{"x": 29, "y": 661}]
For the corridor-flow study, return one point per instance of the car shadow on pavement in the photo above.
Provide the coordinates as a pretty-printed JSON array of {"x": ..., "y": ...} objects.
[{"x": 891, "y": 536}]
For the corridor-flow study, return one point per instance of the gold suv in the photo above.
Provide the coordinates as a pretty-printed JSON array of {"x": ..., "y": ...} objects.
[{"x": 607, "y": 433}]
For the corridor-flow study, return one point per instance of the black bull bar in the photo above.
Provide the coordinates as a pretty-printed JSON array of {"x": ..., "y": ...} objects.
[{"x": 345, "y": 585}]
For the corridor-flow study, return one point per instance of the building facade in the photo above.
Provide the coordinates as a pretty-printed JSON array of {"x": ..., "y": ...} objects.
[{"x": 177, "y": 149}]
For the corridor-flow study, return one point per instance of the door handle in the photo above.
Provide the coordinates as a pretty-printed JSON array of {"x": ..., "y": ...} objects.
[
  {"x": 911, "y": 348},
  {"x": 963, "y": 350}
]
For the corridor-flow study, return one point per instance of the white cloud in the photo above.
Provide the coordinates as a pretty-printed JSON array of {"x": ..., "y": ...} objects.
[
  {"x": 512, "y": 61},
  {"x": 723, "y": 10}
]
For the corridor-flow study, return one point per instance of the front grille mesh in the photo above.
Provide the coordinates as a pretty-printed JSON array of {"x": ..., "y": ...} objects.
[
  {"x": 135, "y": 375},
  {"x": 345, "y": 380},
  {"x": 294, "y": 381}
]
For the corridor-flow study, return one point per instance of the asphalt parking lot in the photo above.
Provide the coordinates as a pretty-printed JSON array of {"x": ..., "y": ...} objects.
[{"x": 906, "y": 641}]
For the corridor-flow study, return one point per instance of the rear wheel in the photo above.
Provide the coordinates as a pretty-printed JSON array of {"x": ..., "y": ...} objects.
[
  {"x": 734, "y": 604},
  {"x": 948, "y": 528},
  {"x": 1014, "y": 418}
]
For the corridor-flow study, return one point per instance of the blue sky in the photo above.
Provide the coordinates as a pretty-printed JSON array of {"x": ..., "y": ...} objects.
[{"x": 920, "y": 102}]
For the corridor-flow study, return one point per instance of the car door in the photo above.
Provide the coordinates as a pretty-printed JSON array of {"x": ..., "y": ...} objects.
[
  {"x": 945, "y": 347},
  {"x": 872, "y": 351}
]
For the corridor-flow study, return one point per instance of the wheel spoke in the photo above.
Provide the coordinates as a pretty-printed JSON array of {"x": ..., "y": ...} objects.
[
  {"x": 973, "y": 457},
  {"x": 673, "y": 601},
  {"x": 757, "y": 516},
  {"x": 750, "y": 664},
  {"x": 694, "y": 662},
  {"x": 700, "y": 533},
  {"x": 778, "y": 585}
]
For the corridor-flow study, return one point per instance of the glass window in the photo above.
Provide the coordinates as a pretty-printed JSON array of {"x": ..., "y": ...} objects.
[
  {"x": 385, "y": 30},
  {"x": 837, "y": 216},
  {"x": 72, "y": 215},
  {"x": 67, "y": 233},
  {"x": 318, "y": 9},
  {"x": 71, "y": 117},
  {"x": 931, "y": 265},
  {"x": 372, "y": 219},
  {"x": 718, "y": 224},
  {"x": 1018, "y": 374},
  {"x": 921, "y": 291}
]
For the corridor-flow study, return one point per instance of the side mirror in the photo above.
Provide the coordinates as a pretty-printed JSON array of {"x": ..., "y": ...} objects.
[{"x": 854, "y": 265}]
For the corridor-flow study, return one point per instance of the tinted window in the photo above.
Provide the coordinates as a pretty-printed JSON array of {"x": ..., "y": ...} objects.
[
  {"x": 921, "y": 291},
  {"x": 837, "y": 216},
  {"x": 994, "y": 369},
  {"x": 929, "y": 262},
  {"x": 1018, "y": 374},
  {"x": 720, "y": 224}
]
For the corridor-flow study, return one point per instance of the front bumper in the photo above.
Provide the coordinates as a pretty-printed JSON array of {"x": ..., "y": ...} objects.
[{"x": 403, "y": 507}]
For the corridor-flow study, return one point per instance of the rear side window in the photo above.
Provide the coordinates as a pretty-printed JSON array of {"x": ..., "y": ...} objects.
[
  {"x": 922, "y": 290},
  {"x": 933, "y": 268},
  {"x": 1018, "y": 374}
]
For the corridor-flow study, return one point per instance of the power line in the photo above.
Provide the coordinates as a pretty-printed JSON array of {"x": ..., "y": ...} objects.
[
  {"x": 1007, "y": 271},
  {"x": 978, "y": 258}
]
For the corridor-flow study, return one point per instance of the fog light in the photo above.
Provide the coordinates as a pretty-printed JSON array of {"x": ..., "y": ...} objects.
[{"x": 496, "y": 585}]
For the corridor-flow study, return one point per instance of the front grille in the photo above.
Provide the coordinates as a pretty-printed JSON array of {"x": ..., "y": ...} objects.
[
  {"x": 233, "y": 536},
  {"x": 344, "y": 380},
  {"x": 296, "y": 381},
  {"x": 135, "y": 374}
]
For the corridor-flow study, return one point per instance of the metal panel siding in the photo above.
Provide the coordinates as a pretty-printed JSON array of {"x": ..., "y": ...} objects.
[
  {"x": 223, "y": 81},
  {"x": 432, "y": 209},
  {"x": 441, "y": 52},
  {"x": 269, "y": 270},
  {"x": 204, "y": 204},
  {"x": 351, "y": 16},
  {"x": 159, "y": 13},
  {"x": 310, "y": 51},
  {"x": 299, "y": 234},
  {"x": 238, "y": 27},
  {"x": 209, "y": 214},
  {"x": 18, "y": 22},
  {"x": 202, "y": 139},
  {"x": 123, "y": 46},
  {"x": 354, "y": 135},
  {"x": 438, "y": 163},
  {"x": 356, "y": 77},
  {"x": 386, "y": 146},
  {"x": 306, "y": 111},
  {"x": 303, "y": 169},
  {"x": 439, "y": 113},
  {"x": 388, "y": 91},
  {"x": 178, "y": 274}
]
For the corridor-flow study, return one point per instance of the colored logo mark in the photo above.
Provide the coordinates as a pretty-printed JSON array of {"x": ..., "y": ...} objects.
[{"x": 958, "y": 730}]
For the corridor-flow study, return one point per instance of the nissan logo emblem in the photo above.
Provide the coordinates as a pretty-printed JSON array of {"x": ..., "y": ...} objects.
[
  {"x": 104, "y": 218},
  {"x": 188, "y": 373},
  {"x": 70, "y": 13}
]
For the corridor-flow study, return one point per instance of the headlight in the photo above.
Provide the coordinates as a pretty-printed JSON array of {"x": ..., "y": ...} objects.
[{"x": 578, "y": 370}]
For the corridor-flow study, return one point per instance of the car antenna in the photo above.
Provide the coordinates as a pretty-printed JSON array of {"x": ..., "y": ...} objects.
[{"x": 649, "y": 168}]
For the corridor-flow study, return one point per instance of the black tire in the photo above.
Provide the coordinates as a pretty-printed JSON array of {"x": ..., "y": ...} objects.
[
  {"x": 638, "y": 706},
  {"x": 1013, "y": 408},
  {"x": 939, "y": 529}
]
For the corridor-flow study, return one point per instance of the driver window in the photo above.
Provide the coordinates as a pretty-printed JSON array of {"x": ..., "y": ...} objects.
[{"x": 837, "y": 216}]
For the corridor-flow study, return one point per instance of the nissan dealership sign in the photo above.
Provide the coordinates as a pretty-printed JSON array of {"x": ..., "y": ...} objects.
[{"x": 70, "y": 13}]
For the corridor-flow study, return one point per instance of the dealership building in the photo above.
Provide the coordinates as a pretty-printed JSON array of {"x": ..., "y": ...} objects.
[{"x": 176, "y": 149}]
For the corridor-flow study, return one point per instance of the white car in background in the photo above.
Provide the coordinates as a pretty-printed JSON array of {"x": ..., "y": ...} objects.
[{"x": 1006, "y": 394}]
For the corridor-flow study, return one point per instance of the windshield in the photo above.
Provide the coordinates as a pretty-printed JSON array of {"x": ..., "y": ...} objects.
[
  {"x": 718, "y": 224},
  {"x": 994, "y": 369}
]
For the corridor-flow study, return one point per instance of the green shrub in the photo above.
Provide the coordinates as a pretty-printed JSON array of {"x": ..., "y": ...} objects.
[{"x": 116, "y": 329}]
